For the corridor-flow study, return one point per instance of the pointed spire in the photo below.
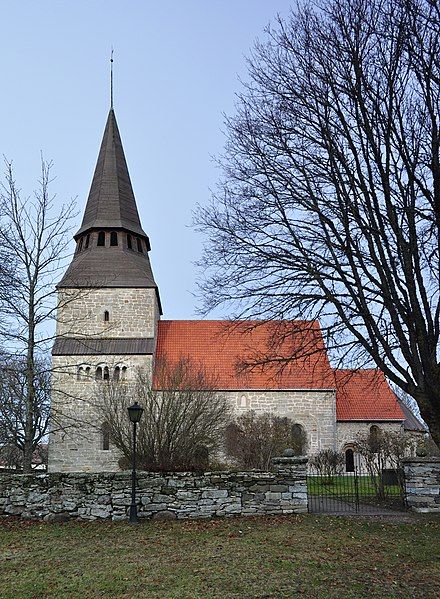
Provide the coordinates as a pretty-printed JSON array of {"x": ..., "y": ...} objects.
[
  {"x": 111, "y": 202},
  {"x": 111, "y": 208},
  {"x": 111, "y": 79}
]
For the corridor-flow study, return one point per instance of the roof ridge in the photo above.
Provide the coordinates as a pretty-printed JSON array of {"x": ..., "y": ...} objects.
[{"x": 237, "y": 321}]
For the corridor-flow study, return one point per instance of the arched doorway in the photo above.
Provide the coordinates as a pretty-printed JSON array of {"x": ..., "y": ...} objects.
[{"x": 349, "y": 460}]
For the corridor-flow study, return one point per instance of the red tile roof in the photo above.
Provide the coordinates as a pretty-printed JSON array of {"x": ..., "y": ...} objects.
[
  {"x": 365, "y": 395},
  {"x": 222, "y": 347}
]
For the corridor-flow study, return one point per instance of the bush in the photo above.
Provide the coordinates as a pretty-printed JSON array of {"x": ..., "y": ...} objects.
[
  {"x": 427, "y": 447},
  {"x": 384, "y": 450},
  {"x": 253, "y": 440},
  {"x": 328, "y": 463},
  {"x": 183, "y": 422}
]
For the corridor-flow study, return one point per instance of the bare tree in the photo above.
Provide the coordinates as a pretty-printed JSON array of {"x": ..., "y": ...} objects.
[
  {"x": 183, "y": 421},
  {"x": 329, "y": 206},
  {"x": 11, "y": 458},
  {"x": 328, "y": 463},
  {"x": 34, "y": 238},
  {"x": 14, "y": 399},
  {"x": 254, "y": 439},
  {"x": 381, "y": 450}
]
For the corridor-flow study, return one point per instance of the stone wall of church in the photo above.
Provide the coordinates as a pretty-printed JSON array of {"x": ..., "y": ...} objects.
[
  {"x": 348, "y": 431},
  {"x": 132, "y": 313},
  {"x": 75, "y": 444},
  {"x": 57, "y": 497},
  {"x": 314, "y": 410},
  {"x": 78, "y": 446}
]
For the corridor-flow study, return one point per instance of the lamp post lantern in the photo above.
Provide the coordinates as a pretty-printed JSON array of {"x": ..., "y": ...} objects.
[{"x": 134, "y": 413}]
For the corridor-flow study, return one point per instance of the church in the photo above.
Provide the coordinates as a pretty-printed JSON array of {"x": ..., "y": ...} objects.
[{"x": 109, "y": 325}]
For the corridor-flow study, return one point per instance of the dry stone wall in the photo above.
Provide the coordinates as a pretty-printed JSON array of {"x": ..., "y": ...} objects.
[
  {"x": 83, "y": 496},
  {"x": 422, "y": 480}
]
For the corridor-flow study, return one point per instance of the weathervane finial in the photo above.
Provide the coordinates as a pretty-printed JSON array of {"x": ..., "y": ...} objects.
[{"x": 111, "y": 79}]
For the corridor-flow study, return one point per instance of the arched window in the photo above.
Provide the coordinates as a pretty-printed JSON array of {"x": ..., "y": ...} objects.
[
  {"x": 88, "y": 372},
  {"x": 87, "y": 241},
  {"x": 123, "y": 372},
  {"x": 106, "y": 373},
  {"x": 80, "y": 374},
  {"x": 105, "y": 434},
  {"x": 349, "y": 460},
  {"x": 98, "y": 373},
  {"x": 106, "y": 316},
  {"x": 80, "y": 244},
  {"x": 299, "y": 439},
  {"x": 374, "y": 439},
  {"x": 101, "y": 238},
  {"x": 243, "y": 402},
  {"x": 113, "y": 238},
  {"x": 117, "y": 373},
  {"x": 139, "y": 244},
  {"x": 129, "y": 243}
]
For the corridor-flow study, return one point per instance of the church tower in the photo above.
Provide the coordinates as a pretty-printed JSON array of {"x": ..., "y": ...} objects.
[{"x": 108, "y": 310}]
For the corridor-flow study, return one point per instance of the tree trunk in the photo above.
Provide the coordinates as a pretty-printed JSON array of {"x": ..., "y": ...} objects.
[
  {"x": 30, "y": 389},
  {"x": 434, "y": 427},
  {"x": 429, "y": 404}
]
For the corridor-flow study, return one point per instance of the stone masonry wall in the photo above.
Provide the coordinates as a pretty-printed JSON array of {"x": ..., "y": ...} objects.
[
  {"x": 314, "y": 410},
  {"x": 76, "y": 439},
  {"x": 75, "y": 445},
  {"x": 83, "y": 496},
  {"x": 132, "y": 313},
  {"x": 348, "y": 431},
  {"x": 422, "y": 480}
]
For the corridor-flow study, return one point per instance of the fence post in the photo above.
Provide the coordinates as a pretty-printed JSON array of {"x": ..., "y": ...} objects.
[
  {"x": 422, "y": 484},
  {"x": 292, "y": 471}
]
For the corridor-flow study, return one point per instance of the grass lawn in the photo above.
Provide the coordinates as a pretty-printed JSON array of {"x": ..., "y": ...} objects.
[
  {"x": 308, "y": 556},
  {"x": 345, "y": 485}
]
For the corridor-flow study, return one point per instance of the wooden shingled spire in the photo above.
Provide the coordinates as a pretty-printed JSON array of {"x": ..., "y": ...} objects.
[
  {"x": 111, "y": 202},
  {"x": 111, "y": 213}
]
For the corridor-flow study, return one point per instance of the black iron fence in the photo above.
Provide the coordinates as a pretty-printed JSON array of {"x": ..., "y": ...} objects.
[{"x": 362, "y": 491}]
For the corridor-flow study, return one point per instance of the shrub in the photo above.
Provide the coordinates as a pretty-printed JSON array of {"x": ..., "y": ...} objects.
[
  {"x": 183, "y": 421},
  {"x": 384, "y": 450},
  {"x": 253, "y": 440},
  {"x": 328, "y": 463},
  {"x": 427, "y": 447}
]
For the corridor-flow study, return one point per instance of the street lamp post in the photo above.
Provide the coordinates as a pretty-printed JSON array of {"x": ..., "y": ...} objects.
[{"x": 134, "y": 413}]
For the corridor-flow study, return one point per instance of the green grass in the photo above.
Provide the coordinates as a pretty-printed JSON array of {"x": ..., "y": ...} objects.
[
  {"x": 345, "y": 485},
  {"x": 298, "y": 556}
]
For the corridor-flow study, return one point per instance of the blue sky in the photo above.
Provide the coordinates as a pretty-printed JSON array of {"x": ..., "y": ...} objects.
[{"x": 177, "y": 65}]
